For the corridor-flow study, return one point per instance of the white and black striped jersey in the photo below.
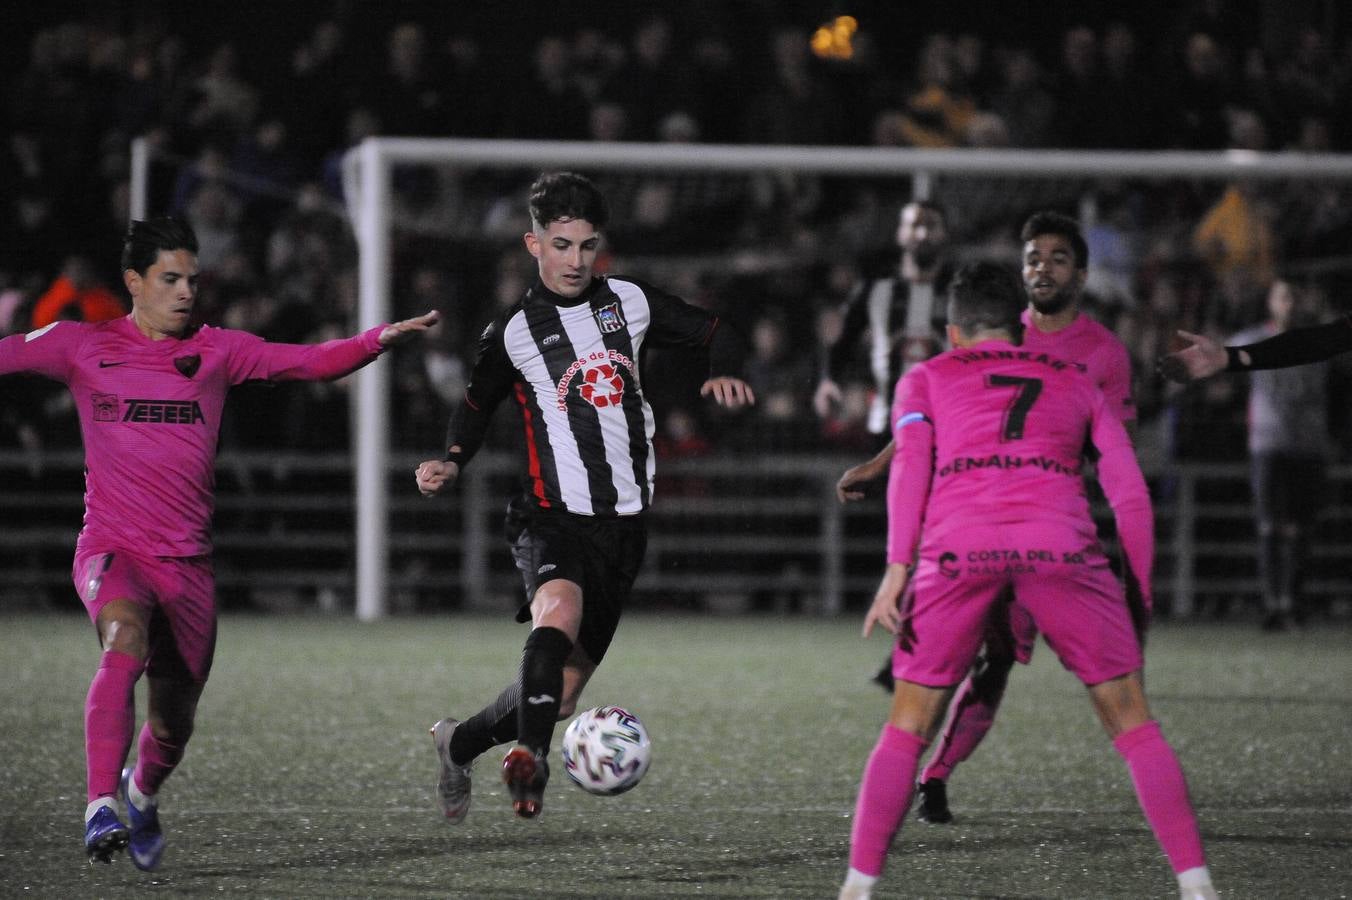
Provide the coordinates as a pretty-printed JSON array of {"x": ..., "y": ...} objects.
[
  {"x": 572, "y": 367},
  {"x": 905, "y": 323}
]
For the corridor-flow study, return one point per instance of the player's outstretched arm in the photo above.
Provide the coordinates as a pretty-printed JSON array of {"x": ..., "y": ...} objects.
[
  {"x": 734, "y": 393},
  {"x": 435, "y": 475},
  {"x": 399, "y": 332},
  {"x": 886, "y": 609},
  {"x": 864, "y": 472},
  {"x": 1202, "y": 358}
]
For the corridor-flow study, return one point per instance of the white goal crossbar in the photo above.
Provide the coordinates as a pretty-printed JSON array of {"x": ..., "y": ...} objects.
[{"x": 367, "y": 183}]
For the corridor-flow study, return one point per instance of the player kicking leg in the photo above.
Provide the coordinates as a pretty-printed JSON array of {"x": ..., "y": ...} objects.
[{"x": 567, "y": 642}]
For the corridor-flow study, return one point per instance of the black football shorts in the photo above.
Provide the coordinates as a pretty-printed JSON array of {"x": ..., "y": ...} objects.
[{"x": 603, "y": 555}]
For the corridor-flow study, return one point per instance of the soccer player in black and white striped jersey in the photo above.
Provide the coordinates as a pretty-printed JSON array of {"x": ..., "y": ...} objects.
[{"x": 568, "y": 355}]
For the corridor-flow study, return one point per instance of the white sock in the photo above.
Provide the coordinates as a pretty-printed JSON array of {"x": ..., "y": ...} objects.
[
  {"x": 856, "y": 878},
  {"x": 1197, "y": 877},
  {"x": 96, "y": 805},
  {"x": 139, "y": 800}
]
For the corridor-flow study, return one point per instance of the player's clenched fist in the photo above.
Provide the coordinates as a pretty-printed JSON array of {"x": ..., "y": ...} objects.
[{"x": 435, "y": 475}]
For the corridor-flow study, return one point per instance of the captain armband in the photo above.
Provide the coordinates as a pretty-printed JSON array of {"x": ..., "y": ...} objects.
[{"x": 911, "y": 418}]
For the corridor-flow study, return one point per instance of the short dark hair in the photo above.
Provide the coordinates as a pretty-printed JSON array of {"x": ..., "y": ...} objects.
[
  {"x": 145, "y": 239},
  {"x": 1052, "y": 222},
  {"x": 557, "y": 196},
  {"x": 987, "y": 296}
]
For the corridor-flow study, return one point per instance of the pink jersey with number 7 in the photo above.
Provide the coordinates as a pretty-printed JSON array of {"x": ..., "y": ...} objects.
[{"x": 994, "y": 434}]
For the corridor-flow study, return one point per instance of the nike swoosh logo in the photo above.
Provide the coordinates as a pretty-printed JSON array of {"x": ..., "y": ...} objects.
[
  {"x": 536, "y": 701},
  {"x": 103, "y": 363}
]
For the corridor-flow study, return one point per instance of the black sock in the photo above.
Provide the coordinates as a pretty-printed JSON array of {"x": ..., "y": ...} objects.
[
  {"x": 494, "y": 724},
  {"x": 542, "y": 662}
]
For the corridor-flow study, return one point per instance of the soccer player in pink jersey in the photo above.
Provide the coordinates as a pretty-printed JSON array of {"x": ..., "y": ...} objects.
[
  {"x": 991, "y": 464},
  {"x": 1055, "y": 268},
  {"x": 150, "y": 388}
]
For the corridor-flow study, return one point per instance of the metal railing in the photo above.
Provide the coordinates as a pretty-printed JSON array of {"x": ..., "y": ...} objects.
[{"x": 727, "y": 532}]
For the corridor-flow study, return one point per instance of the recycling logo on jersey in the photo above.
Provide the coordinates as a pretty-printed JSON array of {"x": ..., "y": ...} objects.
[{"x": 599, "y": 377}]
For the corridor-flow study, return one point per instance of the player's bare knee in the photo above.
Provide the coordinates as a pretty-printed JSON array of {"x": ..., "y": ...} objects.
[{"x": 125, "y": 636}]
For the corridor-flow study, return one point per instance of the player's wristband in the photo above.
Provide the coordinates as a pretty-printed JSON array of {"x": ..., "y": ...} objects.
[
  {"x": 455, "y": 455},
  {"x": 1233, "y": 362}
]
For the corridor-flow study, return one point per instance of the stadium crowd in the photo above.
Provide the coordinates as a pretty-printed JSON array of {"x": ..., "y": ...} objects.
[{"x": 249, "y": 117}]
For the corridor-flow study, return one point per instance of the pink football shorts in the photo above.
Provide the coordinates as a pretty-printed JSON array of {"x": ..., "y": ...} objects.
[
  {"x": 1061, "y": 581},
  {"x": 179, "y": 592}
]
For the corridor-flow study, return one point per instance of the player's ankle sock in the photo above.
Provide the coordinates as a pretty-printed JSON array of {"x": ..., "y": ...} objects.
[
  {"x": 155, "y": 759},
  {"x": 110, "y": 715},
  {"x": 96, "y": 805},
  {"x": 884, "y": 796},
  {"x": 1192, "y": 879},
  {"x": 542, "y": 662},
  {"x": 137, "y": 797},
  {"x": 494, "y": 724},
  {"x": 972, "y": 716},
  {"x": 856, "y": 878},
  {"x": 1163, "y": 793}
]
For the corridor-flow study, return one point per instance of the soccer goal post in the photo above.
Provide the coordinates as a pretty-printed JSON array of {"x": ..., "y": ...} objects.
[{"x": 368, "y": 171}]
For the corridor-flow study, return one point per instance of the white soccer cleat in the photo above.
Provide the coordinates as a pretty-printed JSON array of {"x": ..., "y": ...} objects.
[{"x": 453, "y": 782}]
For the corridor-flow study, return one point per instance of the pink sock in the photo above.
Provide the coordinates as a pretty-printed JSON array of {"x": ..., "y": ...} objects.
[
  {"x": 1163, "y": 793},
  {"x": 110, "y": 715},
  {"x": 155, "y": 759},
  {"x": 884, "y": 796},
  {"x": 970, "y": 719}
]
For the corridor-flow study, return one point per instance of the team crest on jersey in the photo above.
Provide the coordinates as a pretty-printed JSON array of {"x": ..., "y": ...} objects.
[
  {"x": 188, "y": 365},
  {"x": 609, "y": 319},
  {"x": 105, "y": 407}
]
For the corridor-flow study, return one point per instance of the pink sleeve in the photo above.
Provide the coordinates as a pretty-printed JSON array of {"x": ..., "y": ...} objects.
[
  {"x": 254, "y": 359},
  {"x": 908, "y": 478},
  {"x": 1120, "y": 476},
  {"x": 47, "y": 351}
]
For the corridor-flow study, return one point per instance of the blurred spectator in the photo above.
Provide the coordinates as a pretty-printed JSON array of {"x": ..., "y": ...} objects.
[
  {"x": 1199, "y": 97},
  {"x": 782, "y": 378},
  {"x": 1289, "y": 451},
  {"x": 1022, "y": 101},
  {"x": 410, "y": 97},
  {"x": 77, "y": 294},
  {"x": 795, "y": 106},
  {"x": 222, "y": 105},
  {"x": 1127, "y": 89},
  {"x": 315, "y": 101},
  {"x": 215, "y": 214},
  {"x": 547, "y": 104},
  {"x": 654, "y": 81},
  {"x": 939, "y": 109},
  {"x": 1079, "y": 86},
  {"x": 679, "y": 437}
]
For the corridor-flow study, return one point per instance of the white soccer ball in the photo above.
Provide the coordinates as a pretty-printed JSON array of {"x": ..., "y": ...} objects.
[{"x": 606, "y": 750}]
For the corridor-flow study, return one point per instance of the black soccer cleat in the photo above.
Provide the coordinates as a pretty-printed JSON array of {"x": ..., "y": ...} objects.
[{"x": 933, "y": 802}]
